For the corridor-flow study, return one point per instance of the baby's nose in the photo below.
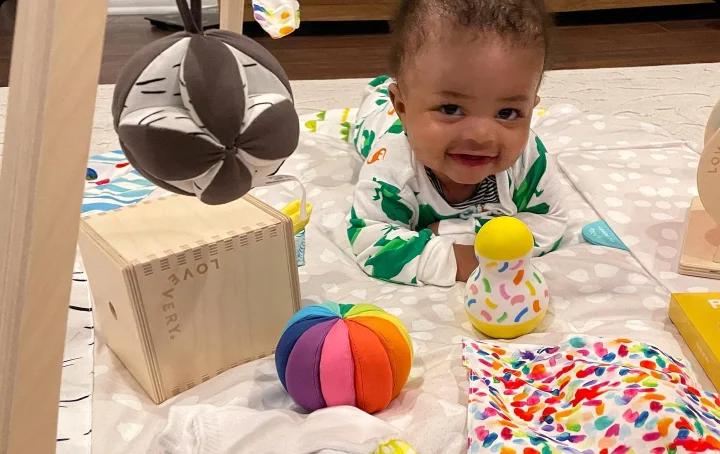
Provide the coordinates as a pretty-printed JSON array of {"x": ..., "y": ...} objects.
[
  {"x": 480, "y": 133},
  {"x": 471, "y": 144}
]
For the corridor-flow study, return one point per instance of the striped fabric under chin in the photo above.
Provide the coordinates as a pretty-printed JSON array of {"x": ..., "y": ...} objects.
[{"x": 485, "y": 192}]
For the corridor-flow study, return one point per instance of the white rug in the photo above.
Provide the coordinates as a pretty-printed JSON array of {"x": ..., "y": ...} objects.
[{"x": 677, "y": 99}]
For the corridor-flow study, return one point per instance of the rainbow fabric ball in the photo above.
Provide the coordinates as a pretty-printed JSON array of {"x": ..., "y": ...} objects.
[{"x": 344, "y": 354}]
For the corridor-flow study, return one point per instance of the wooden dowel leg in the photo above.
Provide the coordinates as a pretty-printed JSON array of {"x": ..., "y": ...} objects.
[
  {"x": 53, "y": 85},
  {"x": 231, "y": 15}
]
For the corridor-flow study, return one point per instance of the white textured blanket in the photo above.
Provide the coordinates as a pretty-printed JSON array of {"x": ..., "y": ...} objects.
[{"x": 598, "y": 291}]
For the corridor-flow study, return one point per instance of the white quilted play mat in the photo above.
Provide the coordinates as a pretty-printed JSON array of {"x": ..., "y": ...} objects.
[{"x": 626, "y": 141}]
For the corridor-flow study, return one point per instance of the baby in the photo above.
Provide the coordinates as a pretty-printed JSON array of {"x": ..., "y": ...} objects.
[{"x": 447, "y": 141}]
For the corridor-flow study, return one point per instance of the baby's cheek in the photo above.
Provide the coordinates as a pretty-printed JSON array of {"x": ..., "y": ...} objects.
[
  {"x": 430, "y": 143},
  {"x": 420, "y": 150},
  {"x": 432, "y": 157},
  {"x": 507, "y": 159},
  {"x": 514, "y": 147}
]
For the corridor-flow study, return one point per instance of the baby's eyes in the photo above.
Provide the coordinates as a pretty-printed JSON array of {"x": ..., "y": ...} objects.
[
  {"x": 453, "y": 110},
  {"x": 450, "y": 109},
  {"x": 508, "y": 114}
]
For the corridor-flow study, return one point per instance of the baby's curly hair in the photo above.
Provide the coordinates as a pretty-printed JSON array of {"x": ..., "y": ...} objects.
[{"x": 520, "y": 22}]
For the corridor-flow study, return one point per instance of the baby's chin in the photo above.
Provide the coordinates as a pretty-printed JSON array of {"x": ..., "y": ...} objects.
[{"x": 466, "y": 177}]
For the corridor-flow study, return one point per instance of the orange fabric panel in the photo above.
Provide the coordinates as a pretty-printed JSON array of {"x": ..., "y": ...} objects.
[
  {"x": 373, "y": 374},
  {"x": 395, "y": 346}
]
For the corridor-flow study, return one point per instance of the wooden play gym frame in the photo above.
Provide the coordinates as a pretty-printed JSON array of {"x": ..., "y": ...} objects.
[
  {"x": 53, "y": 78},
  {"x": 53, "y": 83}
]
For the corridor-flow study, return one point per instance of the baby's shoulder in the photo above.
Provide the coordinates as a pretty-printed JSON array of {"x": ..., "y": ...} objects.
[{"x": 391, "y": 157}]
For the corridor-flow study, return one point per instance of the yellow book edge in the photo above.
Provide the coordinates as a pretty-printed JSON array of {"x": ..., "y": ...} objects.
[{"x": 699, "y": 341}]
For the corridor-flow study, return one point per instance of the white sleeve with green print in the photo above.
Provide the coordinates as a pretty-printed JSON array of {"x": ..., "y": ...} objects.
[
  {"x": 537, "y": 196},
  {"x": 385, "y": 232}
]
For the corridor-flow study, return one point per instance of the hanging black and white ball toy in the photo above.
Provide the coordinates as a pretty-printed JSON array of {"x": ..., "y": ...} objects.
[{"x": 206, "y": 114}]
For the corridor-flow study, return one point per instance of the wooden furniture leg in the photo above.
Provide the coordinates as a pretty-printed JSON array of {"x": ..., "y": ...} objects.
[
  {"x": 53, "y": 85},
  {"x": 231, "y": 15}
]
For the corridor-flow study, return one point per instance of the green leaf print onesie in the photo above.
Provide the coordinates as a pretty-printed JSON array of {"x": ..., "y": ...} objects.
[{"x": 395, "y": 202}]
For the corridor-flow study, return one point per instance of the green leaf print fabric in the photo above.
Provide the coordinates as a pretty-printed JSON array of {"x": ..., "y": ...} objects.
[
  {"x": 528, "y": 188},
  {"x": 394, "y": 254},
  {"x": 391, "y": 203}
]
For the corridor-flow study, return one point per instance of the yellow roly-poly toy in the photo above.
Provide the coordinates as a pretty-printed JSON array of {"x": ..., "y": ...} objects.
[{"x": 506, "y": 296}]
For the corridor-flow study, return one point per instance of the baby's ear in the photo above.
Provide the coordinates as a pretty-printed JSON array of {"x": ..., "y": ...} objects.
[
  {"x": 537, "y": 101},
  {"x": 396, "y": 99}
]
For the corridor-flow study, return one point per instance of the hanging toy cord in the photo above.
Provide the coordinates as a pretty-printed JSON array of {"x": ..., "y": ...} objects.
[
  {"x": 300, "y": 207},
  {"x": 191, "y": 15}
]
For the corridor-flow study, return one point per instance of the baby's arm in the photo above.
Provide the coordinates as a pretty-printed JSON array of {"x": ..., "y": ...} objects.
[
  {"x": 538, "y": 197},
  {"x": 465, "y": 260},
  {"x": 384, "y": 242}
]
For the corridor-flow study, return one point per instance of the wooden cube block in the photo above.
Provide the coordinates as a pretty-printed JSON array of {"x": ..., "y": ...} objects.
[{"x": 183, "y": 291}]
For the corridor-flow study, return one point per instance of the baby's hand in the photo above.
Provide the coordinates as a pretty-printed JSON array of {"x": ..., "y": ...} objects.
[
  {"x": 466, "y": 261},
  {"x": 464, "y": 257}
]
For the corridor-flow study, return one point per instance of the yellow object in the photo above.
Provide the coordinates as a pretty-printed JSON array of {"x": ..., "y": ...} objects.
[
  {"x": 506, "y": 296},
  {"x": 498, "y": 331},
  {"x": 394, "y": 447},
  {"x": 292, "y": 210},
  {"x": 540, "y": 112},
  {"x": 504, "y": 238},
  {"x": 697, "y": 317}
]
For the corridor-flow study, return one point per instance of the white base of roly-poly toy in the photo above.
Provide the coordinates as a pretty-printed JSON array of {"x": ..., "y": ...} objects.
[{"x": 497, "y": 331}]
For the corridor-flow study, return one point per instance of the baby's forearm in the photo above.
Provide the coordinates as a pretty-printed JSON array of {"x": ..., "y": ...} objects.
[
  {"x": 464, "y": 257},
  {"x": 466, "y": 261}
]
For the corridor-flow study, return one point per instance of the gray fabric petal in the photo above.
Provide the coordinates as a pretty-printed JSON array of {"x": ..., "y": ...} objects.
[
  {"x": 231, "y": 182},
  {"x": 134, "y": 68},
  {"x": 169, "y": 154},
  {"x": 255, "y": 51},
  {"x": 274, "y": 134},
  {"x": 215, "y": 87},
  {"x": 152, "y": 178}
]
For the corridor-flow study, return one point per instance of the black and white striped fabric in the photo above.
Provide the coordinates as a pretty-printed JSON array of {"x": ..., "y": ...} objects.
[
  {"x": 485, "y": 192},
  {"x": 207, "y": 114},
  {"x": 74, "y": 409}
]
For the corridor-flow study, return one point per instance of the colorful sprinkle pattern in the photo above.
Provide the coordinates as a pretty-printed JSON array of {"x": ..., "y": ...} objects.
[
  {"x": 586, "y": 395},
  {"x": 511, "y": 292},
  {"x": 278, "y": 18}
]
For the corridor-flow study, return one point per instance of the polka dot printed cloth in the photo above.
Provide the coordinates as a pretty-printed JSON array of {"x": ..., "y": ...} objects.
[
  {"x": 586, "y": 395},
  {"x": 597, "y": 291},
  {"x": 644, "y": 195}
]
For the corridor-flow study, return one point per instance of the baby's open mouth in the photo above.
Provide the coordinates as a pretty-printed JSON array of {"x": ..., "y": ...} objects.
[{"x": 471, "y": 160}]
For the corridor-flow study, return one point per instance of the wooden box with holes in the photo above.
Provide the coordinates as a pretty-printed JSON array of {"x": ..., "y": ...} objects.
[{"x": 183, "y": 291}]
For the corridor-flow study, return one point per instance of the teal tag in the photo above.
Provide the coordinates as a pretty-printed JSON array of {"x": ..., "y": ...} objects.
[
  {"x": 600, "y": 234},
  {"x": 300, "y": 248}
]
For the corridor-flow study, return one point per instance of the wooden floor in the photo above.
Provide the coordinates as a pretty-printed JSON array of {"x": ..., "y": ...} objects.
[{"x": 654, "y": 36}]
